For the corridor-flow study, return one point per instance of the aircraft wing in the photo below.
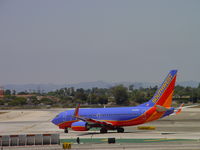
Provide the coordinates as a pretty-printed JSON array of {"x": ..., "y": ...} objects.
[
  {"x": 90, "y": 120},
  {"x": 94, "y": 121}
]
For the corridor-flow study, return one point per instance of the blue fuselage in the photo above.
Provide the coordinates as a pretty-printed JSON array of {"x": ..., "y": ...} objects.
[{"x": 106, "y": 114}]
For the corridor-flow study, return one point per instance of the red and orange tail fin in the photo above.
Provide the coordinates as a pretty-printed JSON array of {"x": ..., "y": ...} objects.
[{"x": 164, "y": 93}]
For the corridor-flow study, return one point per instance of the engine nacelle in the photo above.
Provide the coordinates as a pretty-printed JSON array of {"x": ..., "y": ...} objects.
[{"x": 79, "y": 126}]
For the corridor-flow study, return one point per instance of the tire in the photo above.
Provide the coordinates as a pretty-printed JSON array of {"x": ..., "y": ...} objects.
[
  {"x": 66, "y": 130},
  {"x": 120, "y": 130},
  {"x": 103, "y": 130}
]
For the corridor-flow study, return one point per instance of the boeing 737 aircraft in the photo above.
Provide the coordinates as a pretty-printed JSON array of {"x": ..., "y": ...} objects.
[{"x": 116, "y": 118}]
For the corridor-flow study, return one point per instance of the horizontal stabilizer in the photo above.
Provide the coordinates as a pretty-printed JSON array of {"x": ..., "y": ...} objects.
[
  {"x": 190, "y": 106},
  {"x": 179, "y": 109},
  {"x": 161, "y": 108}
]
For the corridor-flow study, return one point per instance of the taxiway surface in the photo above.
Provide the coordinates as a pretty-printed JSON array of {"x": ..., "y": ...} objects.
[{"x": 183, "y": 126}]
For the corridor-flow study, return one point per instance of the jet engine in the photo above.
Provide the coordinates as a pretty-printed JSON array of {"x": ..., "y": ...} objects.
[{"x": 80, "y": 126}]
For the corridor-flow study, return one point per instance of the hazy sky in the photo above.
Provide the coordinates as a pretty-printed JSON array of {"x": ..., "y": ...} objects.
[{"x": 71, "y": 41}]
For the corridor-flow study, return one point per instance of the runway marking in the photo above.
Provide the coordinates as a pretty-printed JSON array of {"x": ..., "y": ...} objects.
[
  {"x": 102, "y": 140},
  {"x": 159, "y": 140},
  {"x": 105, "y": 140}
]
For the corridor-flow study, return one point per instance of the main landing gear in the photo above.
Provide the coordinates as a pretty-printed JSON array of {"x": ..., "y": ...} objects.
[
  {"x": 103, "y": 130},
  {"x": 120, "y": 130},
  {"x": 66, "y": 130}
]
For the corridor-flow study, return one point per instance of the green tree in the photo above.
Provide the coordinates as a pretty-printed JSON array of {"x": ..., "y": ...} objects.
[
  {"x": 66, "y": 99},
  {"x": 140, "y": 97},
  {"x": 198, "y": 86},
  {"x": 47, "y": 101},
  {"x": 1, "y": 102},
  {"x": 18, "y": 101},
  {"x": 13, "y": 92},
  {"x": 102, "y": 99},
  {"x": 7, "y": 92},
  {"x": 80, "y": 94},
  {"x": 131, "y": 87},
  {"x": 120, "y": 94},
  {"x": 92, "y": 99},
  {"x": 23, "y": 93},
  {"x": 34, "y": 100}
]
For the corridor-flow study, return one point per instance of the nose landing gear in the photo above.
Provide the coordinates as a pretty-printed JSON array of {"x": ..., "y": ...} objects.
[{"x": 66, "y": 130}]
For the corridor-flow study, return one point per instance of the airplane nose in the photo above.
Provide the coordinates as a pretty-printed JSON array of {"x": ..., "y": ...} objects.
[
  {"x": 55, "y": 120},
  {"x": 58, "y": 119}
]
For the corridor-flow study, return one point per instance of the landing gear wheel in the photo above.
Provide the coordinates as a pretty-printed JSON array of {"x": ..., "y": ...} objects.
[
  {"x": 66, "y": 130},
  {"x": 120, "y": 130},
  {"x": 103, "y": 130}
]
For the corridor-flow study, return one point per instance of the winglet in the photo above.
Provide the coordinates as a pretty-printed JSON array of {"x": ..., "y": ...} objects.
[
  {"x": 76, "y": 110},
  {"x": 179, "y": 109}
]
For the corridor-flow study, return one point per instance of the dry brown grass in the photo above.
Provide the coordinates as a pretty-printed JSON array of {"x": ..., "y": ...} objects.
[{"x": 2, "y": 113}]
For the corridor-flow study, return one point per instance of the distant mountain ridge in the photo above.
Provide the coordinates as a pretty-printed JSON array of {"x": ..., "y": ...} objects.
[{"x": 87, "y": 85}]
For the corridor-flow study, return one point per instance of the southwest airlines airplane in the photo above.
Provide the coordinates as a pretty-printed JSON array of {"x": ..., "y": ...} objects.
[{"x": 116, "y": 118}]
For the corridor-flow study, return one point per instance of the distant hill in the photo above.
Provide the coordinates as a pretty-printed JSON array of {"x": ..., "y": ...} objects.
[{"x": 87, "y": 85}]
